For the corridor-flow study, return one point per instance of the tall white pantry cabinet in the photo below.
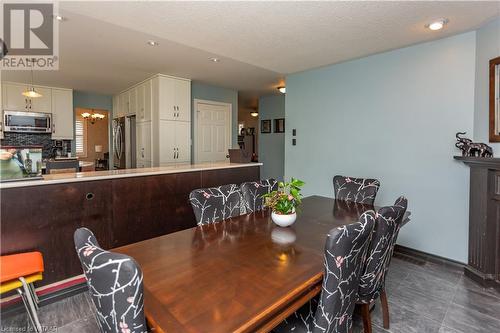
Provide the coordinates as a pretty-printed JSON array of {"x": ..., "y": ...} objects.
[{"x": 162, "y": 106}]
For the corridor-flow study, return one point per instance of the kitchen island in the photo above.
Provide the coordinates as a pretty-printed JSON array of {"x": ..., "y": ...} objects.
[{"x": 120, "y": 206}]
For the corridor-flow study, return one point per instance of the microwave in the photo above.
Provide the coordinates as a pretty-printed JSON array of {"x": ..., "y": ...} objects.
[{"x": 27, "y": 122}]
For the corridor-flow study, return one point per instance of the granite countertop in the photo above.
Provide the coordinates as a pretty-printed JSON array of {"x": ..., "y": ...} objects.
[{"x": 123, "y": 173}]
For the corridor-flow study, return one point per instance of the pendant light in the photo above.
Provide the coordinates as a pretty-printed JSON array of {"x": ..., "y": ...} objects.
[{"x": 31, "y": 93}]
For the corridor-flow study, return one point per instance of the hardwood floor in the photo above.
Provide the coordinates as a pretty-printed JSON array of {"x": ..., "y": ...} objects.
[{"x": 423, "y": 298}]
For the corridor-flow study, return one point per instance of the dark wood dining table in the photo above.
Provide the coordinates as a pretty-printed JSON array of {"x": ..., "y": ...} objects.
[{"x": 244, "y": 274}]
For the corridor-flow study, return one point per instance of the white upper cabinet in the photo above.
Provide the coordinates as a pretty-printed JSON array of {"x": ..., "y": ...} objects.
[
  {"x": 182, "y": 99},
  {"x": 144, "y": 102},
  {"x": 62, "y": 114},
  {"x": 132, "y": 98},
  {"x": 167, "y": 109},
  {"x": 124, "y": 104},
  {"x": 44, "y": 103},
  {"x": 13, "y": 99},
  {"x": 116, "y": 106}
]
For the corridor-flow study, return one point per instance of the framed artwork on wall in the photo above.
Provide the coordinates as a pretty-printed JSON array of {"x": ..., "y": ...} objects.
[
  {"x": 279, "y": 125},
  {"x": 265, "y": 126}
]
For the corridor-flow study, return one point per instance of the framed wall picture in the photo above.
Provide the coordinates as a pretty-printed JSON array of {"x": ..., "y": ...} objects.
[
  {"x": 265, "y": 126},
  {"x": 279, "y": 125}
]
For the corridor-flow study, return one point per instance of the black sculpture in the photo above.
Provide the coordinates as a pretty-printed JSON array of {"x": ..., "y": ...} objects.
[{"x": 472, "y": 149}]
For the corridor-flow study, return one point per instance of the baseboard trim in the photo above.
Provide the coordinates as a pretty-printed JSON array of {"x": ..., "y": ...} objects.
[{"x": 420, "y": 255}]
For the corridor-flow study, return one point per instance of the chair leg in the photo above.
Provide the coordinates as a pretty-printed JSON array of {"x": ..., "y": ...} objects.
[
  {"x": 29, "y": 304},
  {"x": 385, "y": 308},
  {"x": 34, "y": 295},
  {"x": 367, "y": 322}
]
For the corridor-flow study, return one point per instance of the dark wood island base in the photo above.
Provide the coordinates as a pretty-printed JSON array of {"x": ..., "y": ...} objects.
[{"x": 119, "y": 210}]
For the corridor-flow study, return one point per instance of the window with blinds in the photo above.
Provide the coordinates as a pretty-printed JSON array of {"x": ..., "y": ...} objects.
[{"x": 81, "y": 136}]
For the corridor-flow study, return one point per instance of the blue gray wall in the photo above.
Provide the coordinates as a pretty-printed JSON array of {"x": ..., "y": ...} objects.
[
  {"x": 272, "y": 145},
  {"x": 88, "y": 100},
  {"x": 218, "y": 94},
  {"x": 487, "y": 47},
  {"x": 392, "y": 116}
]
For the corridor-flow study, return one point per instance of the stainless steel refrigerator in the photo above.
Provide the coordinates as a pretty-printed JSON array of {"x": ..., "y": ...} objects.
[{"x": 124, "y": 142}]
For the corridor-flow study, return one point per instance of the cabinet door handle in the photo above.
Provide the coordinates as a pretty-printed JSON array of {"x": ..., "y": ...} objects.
[{"x": 174, "y": 153}]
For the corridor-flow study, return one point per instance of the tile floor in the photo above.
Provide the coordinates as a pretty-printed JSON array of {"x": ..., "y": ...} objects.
[{"x": 428, "y": 298}]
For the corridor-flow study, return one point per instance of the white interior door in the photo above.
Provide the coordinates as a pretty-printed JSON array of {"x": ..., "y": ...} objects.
[{"x": 213, "y": 131}]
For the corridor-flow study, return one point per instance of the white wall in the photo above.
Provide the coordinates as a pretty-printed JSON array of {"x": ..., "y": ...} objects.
[
  {"x": 487, "y": 47},
  {"x": 392, "y": 116}
]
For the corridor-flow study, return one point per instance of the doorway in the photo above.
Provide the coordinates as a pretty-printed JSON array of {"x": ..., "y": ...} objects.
[{"x": 212, "y": 131}]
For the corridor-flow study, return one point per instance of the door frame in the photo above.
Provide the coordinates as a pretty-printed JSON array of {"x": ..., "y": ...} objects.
[{"x": 195, "y": 123}]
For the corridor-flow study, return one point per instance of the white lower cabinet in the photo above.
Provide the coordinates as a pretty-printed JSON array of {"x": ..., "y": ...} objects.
[
  {"x": 143, "y": 141},
  {"x": 143, "y": 164},
  {"x": 175, "y": 141}
]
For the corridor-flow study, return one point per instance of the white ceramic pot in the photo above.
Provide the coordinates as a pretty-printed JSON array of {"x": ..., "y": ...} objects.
[{"x": 283, "y": 220}]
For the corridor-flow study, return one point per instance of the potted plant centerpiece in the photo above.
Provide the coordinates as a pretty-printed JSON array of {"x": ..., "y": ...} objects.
[{"x": 284, "y": 202}]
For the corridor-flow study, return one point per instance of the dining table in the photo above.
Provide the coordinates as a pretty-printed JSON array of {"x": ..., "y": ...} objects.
[{"x": 243, "y": 274}]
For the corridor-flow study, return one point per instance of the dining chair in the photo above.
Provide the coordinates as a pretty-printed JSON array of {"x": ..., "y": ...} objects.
[
  {"x": 355, "y": 189},
  {"x": 372, "y": 282},
  {"x": 345, "y": 251},
  {"x": 215, "y": 204},
  {"x": 115, "y": 285},
  {"x": 252, "y": 193}
]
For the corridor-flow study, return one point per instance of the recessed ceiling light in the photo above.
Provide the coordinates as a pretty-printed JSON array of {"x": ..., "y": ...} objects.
[
  {"x": 152, "y": 43},
  {"x": 437, "y": 25},
  {"x": 254, "y": 114},
  {"x": 214, "y": 59},
  {"x": 59, "y": 17},
  {"x": 282, "y": 89}
]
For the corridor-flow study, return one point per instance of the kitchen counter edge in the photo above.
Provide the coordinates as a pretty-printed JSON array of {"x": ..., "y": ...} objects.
[{"x": 124, "y": 173}]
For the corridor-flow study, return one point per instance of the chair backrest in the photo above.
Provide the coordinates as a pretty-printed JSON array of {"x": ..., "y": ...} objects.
[
  {"x": 215, "y": 204},
  {"x": 252, "y": 193},
  {"x": 62, "y": 166},
  {"x": 345, "y": 252},
  {"x": 355, "y": 189},
  {"x": 387, "y": 225},
  {"x": 115, "y": 285}
]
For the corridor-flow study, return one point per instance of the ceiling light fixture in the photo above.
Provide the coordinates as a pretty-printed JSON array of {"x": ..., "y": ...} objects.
[
  {"x": 30, "y": 92},
  {"x": 254, "y": 114},
  {"x": 437, "y": 25},
  {"x": 93, "y": 116},
  {"x": 214, "y": 59},
  {"x": 282, "y": 89},
  {"x": 153, "y": 43},
  {"x": 59, "y": 17}
]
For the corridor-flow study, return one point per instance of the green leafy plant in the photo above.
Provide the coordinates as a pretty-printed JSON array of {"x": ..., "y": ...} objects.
[{"x": 286, "y": 199}]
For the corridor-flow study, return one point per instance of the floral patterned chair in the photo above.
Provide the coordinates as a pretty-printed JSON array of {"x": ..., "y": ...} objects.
[
  {"x": 372, "y": 284},
  {"x": 215, "y": 204},
  {"x": 115, "y": 285},
  {"x": 252, "y": 193},
  {"x": 356, "y": 189},
  {"x": 345, "y": 252}
]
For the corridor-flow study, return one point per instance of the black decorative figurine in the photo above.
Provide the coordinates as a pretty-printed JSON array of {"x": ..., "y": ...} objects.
[{"x": 472, "y": 149}]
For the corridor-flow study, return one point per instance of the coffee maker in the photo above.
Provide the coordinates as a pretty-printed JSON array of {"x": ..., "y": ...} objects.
[{"x": 59, "y": 149}]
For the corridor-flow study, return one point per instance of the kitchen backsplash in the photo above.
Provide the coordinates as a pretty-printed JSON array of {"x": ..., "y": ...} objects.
[{"x": 33, "y": 139}]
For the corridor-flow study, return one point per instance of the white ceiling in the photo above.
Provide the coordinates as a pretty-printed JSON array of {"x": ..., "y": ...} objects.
[{"x": 102, "y": 44}]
